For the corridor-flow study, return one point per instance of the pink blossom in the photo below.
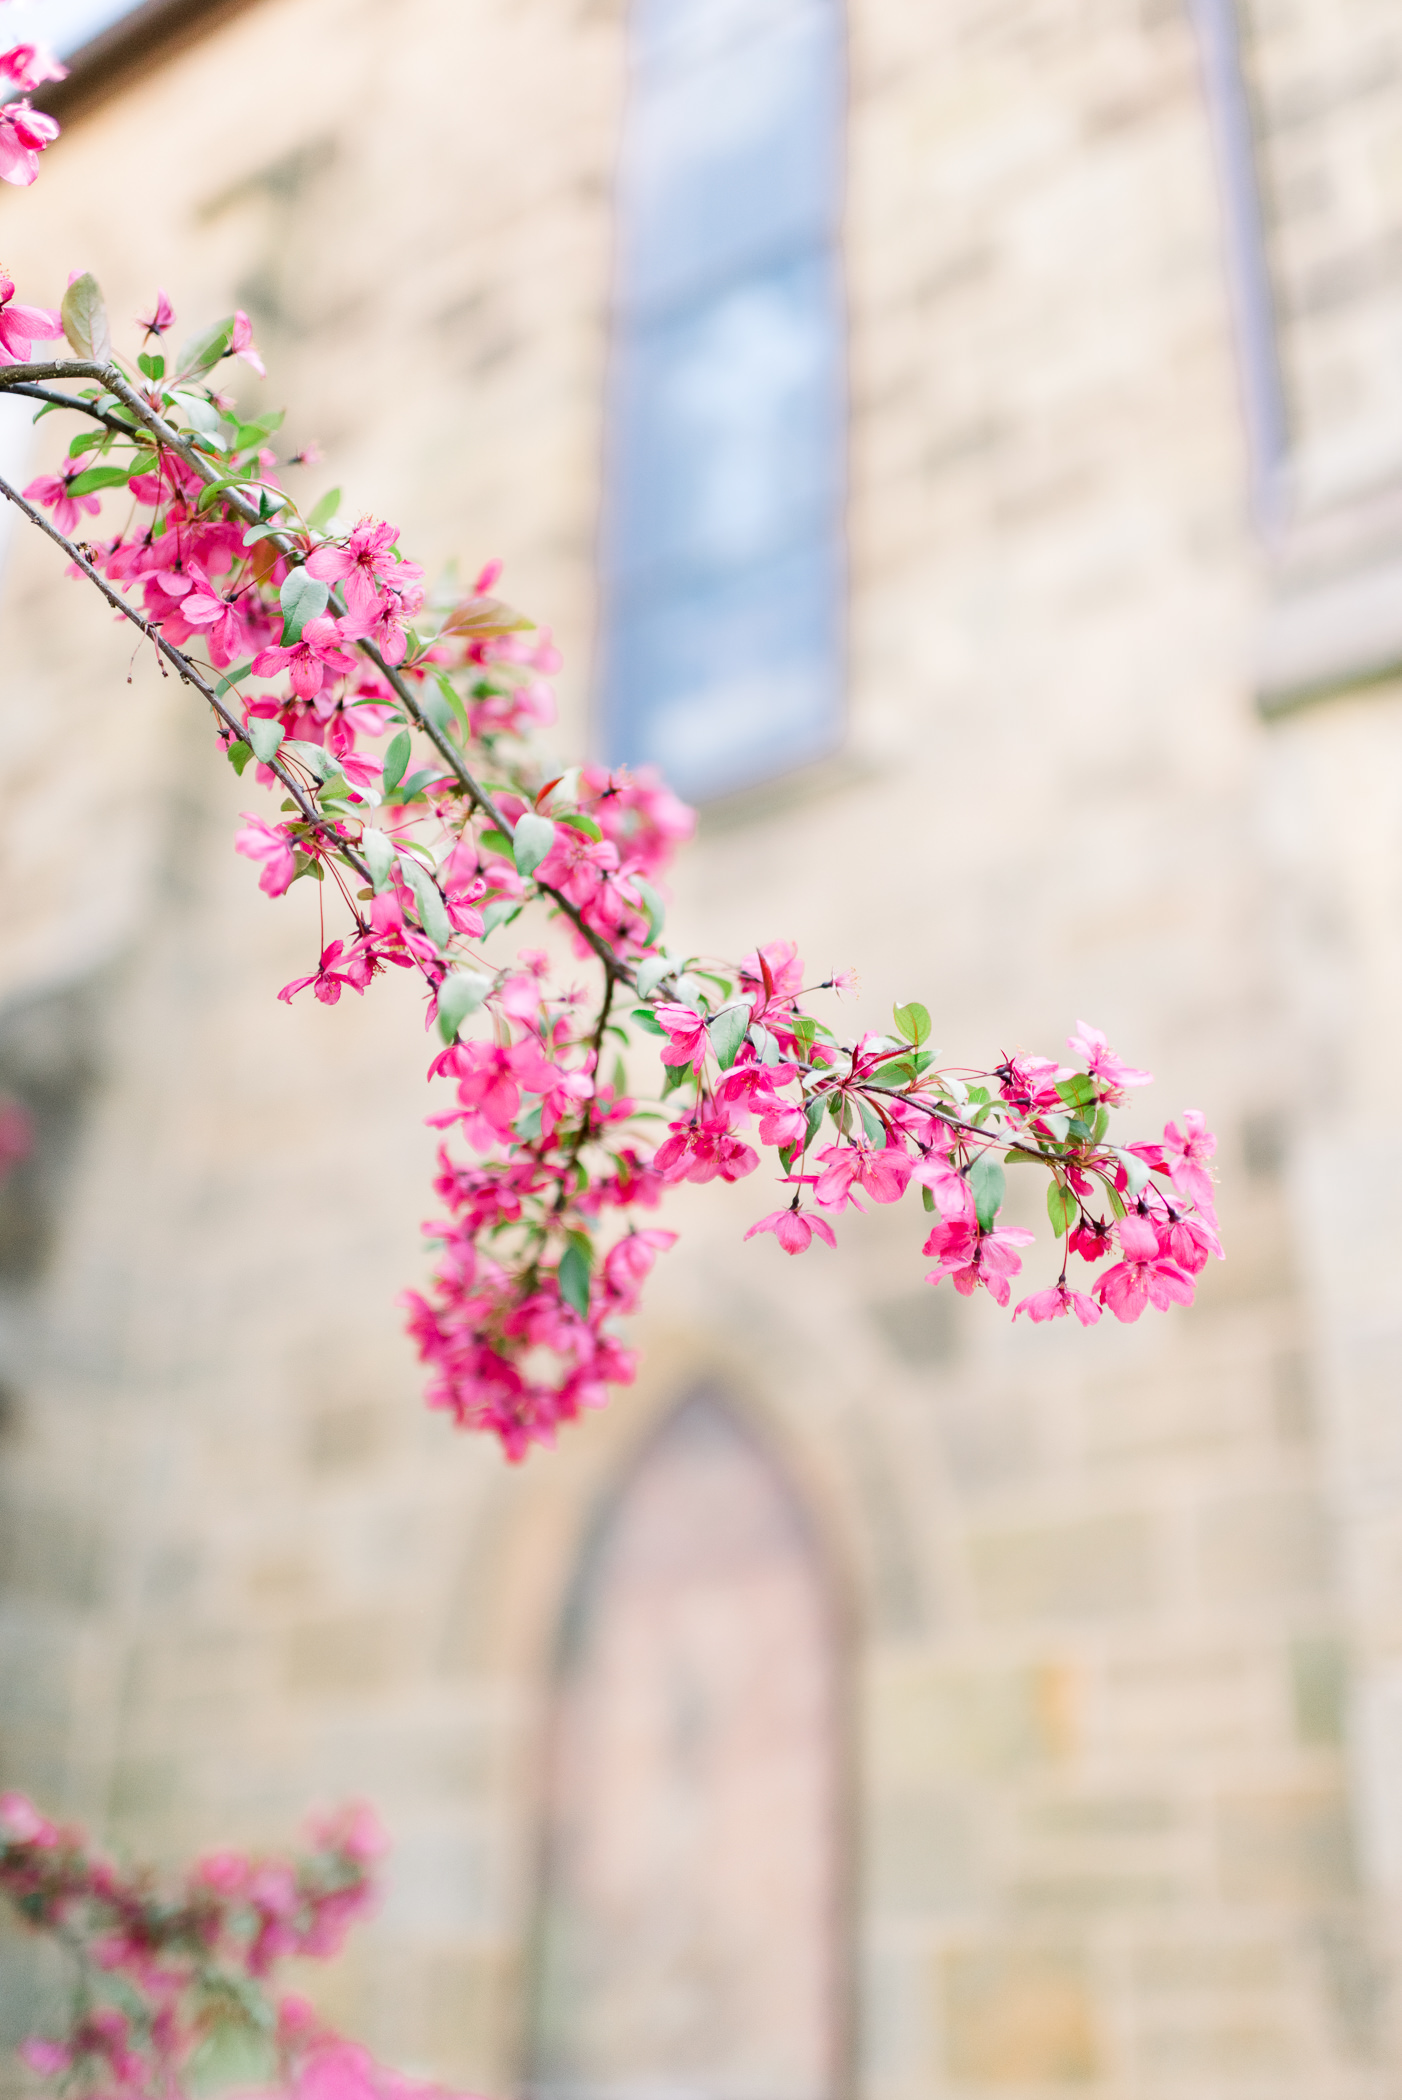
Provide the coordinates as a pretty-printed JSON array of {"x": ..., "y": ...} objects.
[
  {"x": 702, "y": 1150},
  {"x": 1054, "y": 1304},
  {"x": 321, "y": 649},
  {"x": 952, "y": 1194},
  {"x": 1187, "y": 1152},
  {"x": 16, "y": 1135},
  {"x": 1144, "y": 1277},
  {"x": 687, "y": 1040},
  {"x": 24, "y": 133},
  {"x": 970, "y": 1257},
  {"x": 794, "y": 1229},
  {"x": 882, "y": 1173},
  {"x": 629, "y": 1261},
  {"x": 28, "y": 66},
  {"x": 242, "y": 343},
  {"x": 22, "y": 1823},
  {"x": 49, "y": 2059},
  {"x": 356, "y": 971},
  {"x": 1102, "y": 1063},
  {"x": 364, "y": 562},
  {"x": 51, "y": 490},
  {"x": 845, "y": 983},
  {"x": 270, "y": 844},
  {"x": 160, "y": 318},
  {"x": 1189, "y": 1241}
]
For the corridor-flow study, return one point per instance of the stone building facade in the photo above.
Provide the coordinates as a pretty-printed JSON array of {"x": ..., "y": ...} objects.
[{"x": 878, "y": 1699}]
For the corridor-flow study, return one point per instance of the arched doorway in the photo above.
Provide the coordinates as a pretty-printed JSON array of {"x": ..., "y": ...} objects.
[{"x": 691, "y": 1921}]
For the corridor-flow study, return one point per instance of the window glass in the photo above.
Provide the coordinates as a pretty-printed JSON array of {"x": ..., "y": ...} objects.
[
  {"x": 722, "y": 544},
  {"x": 689, "y": 1937},
  {"x": 64, "y": 25}
]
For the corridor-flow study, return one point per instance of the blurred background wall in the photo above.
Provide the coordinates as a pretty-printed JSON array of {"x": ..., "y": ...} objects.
[{"x": 966, "y": 439}]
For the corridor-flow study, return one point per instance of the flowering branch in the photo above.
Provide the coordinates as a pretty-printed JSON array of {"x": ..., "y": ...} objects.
[
  {"x": 345, "y": 663},
  {"x": 170, "y": 1983}
]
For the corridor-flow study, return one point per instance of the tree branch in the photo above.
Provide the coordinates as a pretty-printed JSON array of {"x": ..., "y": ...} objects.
[{"x": 185, "y": 670}]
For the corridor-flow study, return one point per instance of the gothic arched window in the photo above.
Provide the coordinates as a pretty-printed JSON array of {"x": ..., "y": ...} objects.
[
  {"x": 723, "y": 551},
  {"x": 689, "y": 1938}
]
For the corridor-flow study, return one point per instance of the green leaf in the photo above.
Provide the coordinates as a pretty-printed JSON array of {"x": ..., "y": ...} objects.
[
  {"x": 989, "y": 1185},
  {"x": 265, "y": 736},
  {"x": 500, "y": 912},
  {"x": 260, "y": 532},
  {"x": 221, "y": 685},
  {"x": 577, "y": 821},
  {"x": 645, "y": 1018},
  {"x": 94, "y": 478},
  {"x": 573, "y": 1278},
  {"x": 152, "y": 364},
  {"x": 377, "y": 852},
  {"x": 727, "y": 1032},
  {"x": 528, "y": 1122},
  {"x": 1062, "y": 1207},
  {"x": 804, "y": 1031},
  {"x": 652, "y": 904},
  {"x": 812, "y": 1116},
  {"x": 303, "y": 598},
  {"x": 396, "y": 759},
  {"x": 1079, "y": 1091},
  {"x": 433, "y": 916},
  {"x": 238, "y": 756},
  {"x": 674, "y": 1076},
  {"x": 324, "y": 510},
  {"x": 650, "y": 973},
  {"x": 534, "y": 837},
  {"x": 913, "y": 1022},
  {"x": 203, "y": 352},
  {"x": 455, "y": 712},
  {"x": 494, "y": 841},
  {"x": 416, "y": 783},
  {"x": 315, "y": 757},
  {"x": 895, "y": 1071},
  {"x": 460, "y": 994},
  {"x": 84, "y": 316},
  {"x": 250, "y": 436},
  {"x": 231, "y": 2055},
  {"x": 86, "y": 440},
  {"x": 927, "y": 1197},
  {"x": 1135, "y": 1170},
  {"x": 871, "y": 1122}
]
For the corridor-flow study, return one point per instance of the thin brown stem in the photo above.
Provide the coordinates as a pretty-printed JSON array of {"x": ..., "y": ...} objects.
[
  {"x": 108, "y": 376},
  {"x": 185, "y": 670}
]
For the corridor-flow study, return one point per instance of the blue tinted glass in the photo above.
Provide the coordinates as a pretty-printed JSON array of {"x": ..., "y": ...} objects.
[
  {"x": 64, "y": 25},
  {"x": 723, "y": 548},
  {"x": 732, "y": 158},
  {"x": 726, "y": 448},
  {"x": 724, "y": 682}
]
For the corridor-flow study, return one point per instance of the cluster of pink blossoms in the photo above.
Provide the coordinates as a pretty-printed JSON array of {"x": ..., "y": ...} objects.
[
  {"x": 24, "y": 131},
  {"x": 172, "y": 1978},
  {"x": 399, "y": 730}
]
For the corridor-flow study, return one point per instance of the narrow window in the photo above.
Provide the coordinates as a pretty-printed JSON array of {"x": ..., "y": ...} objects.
[
  {"x": 723, "y": 551},
  {"x": 689, "y": 1934}
]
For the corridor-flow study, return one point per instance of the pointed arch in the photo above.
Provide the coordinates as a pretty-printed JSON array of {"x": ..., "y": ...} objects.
[{"x": 691, "y": 1933}]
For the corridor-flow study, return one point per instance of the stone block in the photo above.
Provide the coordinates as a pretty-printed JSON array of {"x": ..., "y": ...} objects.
[
  {"x": 1263, "y": 1545},
  {"x": 929, "y": 1724},
  {"x": 1319, "y": 1680},
  {"x": 1285, "y": 1848},
  {"x": 1098, "y": 1567},
  {"x": 354, "y": 1652},
  {"x": 923, "y": 1855},
  {"x": 1018, "y": 2015}
]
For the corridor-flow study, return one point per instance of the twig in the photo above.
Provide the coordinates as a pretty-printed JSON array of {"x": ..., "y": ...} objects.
[{"x": 185, "y": 670}]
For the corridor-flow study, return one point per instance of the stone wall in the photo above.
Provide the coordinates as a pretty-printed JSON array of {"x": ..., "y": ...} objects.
[{"x": 1105, "y": 1591}]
